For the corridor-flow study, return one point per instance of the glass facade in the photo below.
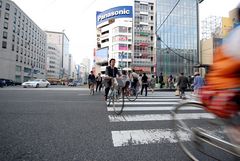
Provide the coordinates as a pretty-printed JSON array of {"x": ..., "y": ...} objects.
[{"x": 179, "y": 33}]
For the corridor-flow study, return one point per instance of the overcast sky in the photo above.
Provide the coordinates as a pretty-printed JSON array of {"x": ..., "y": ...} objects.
[{"x": 77, "y": 18}]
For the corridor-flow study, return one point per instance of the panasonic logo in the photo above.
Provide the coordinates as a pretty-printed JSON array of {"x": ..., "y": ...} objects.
[{"x": 113, "y": 13}]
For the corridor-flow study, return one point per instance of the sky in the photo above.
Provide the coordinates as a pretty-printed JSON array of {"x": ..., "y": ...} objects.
[{"x": 77, "y": 18}]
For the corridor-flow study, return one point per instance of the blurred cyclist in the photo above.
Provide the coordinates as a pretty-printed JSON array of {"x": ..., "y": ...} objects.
[{"x": 221, "y": 96}]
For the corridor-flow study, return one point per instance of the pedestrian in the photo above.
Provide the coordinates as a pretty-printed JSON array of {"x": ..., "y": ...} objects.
[
  {"x": 144, "y": 84},
  {"x": 183, "y": 84},
  {"x": 152, "y": 83},
  {"x": 99, "y": 82},
  {"x": 139, "y": 83},
  {"x": 198, "y": 82},
  {"x": 91, "y": 81},
  {"x": 134, "y": 77},
  {"x": 170, "y": 82},
  {"x": 161, "y": 80},
  {"x": 125, "y": 79}
]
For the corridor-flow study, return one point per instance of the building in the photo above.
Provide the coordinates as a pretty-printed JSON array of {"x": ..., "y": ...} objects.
[
  {"x": 211, "y": 40},
  {"x": 86, "y": 62},
  {"x": 177, "y": 36},
  {"x": 22, "y": 45},
  {"x": 61, "y": 43},
  {"x": 53, "y": 62},
  {"x": 114, "y": 37},
  {"x": 144, "y": 36}
]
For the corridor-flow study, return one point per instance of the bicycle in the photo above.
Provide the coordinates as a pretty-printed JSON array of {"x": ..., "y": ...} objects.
[
  {"x": 191, "y": 137},
  {"x": 131, "y": 94},
  {"x": 116, "y": 94}
]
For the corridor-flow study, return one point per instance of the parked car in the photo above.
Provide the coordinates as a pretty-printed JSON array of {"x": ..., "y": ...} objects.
[
  {"x": 6, "y": 82},
  {"x": 17, "y": 83},
  {"x": 36, "y": 83},
  {"x": 2, "y": 83},
  {"x": 74, "y": 83},
  {"x": 9, "y": 82}
]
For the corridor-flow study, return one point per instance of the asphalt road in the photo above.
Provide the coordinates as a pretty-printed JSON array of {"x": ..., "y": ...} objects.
[{"x": 66, "y": 124}]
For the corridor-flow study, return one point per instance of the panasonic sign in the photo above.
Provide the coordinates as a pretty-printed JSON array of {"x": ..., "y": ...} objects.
[{"x": 117, "y": 12}]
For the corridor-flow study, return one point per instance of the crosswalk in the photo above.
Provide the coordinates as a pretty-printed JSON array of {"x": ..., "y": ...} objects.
[{"x": 155, "y": 109}]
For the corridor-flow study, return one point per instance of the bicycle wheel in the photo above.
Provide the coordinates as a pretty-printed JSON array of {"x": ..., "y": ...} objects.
[
  {"x": 187, "y": 127},
  {"x": 131, "y": 94},
  {"x": 118, "y": 103}
]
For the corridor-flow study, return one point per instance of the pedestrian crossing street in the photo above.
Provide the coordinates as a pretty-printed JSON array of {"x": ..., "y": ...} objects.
[{"x": 154, "y": 109}]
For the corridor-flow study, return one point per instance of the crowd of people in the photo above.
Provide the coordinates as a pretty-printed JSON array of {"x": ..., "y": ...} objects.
[{"x": 144, "y": 81}]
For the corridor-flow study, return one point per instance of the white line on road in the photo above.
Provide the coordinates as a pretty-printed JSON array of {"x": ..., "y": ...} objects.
[
  {"x": 146, "y": 103},
  {"x": 155, "y": 100},
  {"x": 159, "y": 117},
  {"x": 138, "y": 137},
  {"x": 144, "y": 108}
]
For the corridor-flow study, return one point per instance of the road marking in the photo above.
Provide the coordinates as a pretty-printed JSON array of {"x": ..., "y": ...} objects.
[
  {"x": 138, "y": 137},
  {"x": 155, "y": 100},
  {"x": 148, "y": 108},
  {"x": 159, "y": 117},
  {"x": 145, "y": 103}
]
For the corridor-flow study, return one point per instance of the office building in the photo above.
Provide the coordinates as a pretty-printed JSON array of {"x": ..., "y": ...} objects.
[
  {"x": 177, "y": 37},
  {"x": 22, "y": 45},
  {"x": 61, "y": 43}
]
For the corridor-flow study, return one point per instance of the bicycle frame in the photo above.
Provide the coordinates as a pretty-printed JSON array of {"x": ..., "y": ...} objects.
[{"x": 201, "y": 135}]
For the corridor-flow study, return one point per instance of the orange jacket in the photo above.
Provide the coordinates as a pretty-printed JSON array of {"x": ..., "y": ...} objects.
[{"x": 225, "y": 71}]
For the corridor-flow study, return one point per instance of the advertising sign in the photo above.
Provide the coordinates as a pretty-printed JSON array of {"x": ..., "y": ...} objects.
[
  {"x": 101, "y": 55},
  {"x": 113, "y": 13}
]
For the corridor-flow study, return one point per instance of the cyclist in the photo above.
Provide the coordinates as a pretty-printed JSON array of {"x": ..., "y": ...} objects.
[
  {"x": 111, "y": 72},
  {"x": 91, "y": 81},
  {"x": 221, "y": 95}
]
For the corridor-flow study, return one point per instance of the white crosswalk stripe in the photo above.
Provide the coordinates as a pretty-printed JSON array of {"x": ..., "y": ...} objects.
[{"x": 150, "y": 109}]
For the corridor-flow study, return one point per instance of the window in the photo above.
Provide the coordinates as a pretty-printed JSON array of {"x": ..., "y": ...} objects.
[
  {"x": 16, "y": 60},
  {"x": 13, "y": 38},
  {"x": 6, "y": 16},
  {"x": 151, "y": 18},
  {"x": 5, "y": 25},
  {"x": 0, "y": 4},
  {"x": 14, "y": 29},
  {"x": 151, "y": 8},
  {"x": 18, "y": 68},
  {"x": 17, "y": 50},
  {"x": 12, "y": 47},
  {"x": 7, "y": 6},
  {"x": 15, "y": 11},
  {"x": 4, "y": 44},
  {"x": 14, "y": 20},
  {"x": 5, "y": 34},
  {"x": 151, "y": 28}
]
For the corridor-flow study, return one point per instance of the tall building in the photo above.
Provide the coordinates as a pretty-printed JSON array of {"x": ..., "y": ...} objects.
[
  {"x": 61, "y": 42},
  {"x": 144, "y": 57},
  {"x": 22, "y": 45},
  {"x": 53, "y": 64},
  {"x": 177, "y": 37},
  {"x": 87, "y": 63},
  {"x": 114, "y": 37}
]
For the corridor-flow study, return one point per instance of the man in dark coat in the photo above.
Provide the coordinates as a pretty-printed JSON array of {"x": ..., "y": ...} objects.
[
  {"x": 161, "y": 80},
  {"x": 183, "y": 84}
]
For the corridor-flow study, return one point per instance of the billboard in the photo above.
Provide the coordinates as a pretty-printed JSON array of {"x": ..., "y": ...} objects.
[
  {"x": 101, "y": 55},
  {"x": 113, "y": 13}
]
